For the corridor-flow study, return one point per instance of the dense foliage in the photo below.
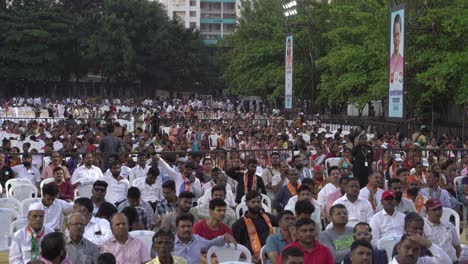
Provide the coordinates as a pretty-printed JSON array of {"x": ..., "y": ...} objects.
[
  {"x": 342, "y": 48},
  {"x": 121, "y": 40}
]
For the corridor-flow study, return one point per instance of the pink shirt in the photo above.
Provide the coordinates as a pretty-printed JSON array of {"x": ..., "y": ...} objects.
[
  {"x": 48, "y": 172},
  {"x": 331, "y": 198},
  {"x": 133, "y": 251}
]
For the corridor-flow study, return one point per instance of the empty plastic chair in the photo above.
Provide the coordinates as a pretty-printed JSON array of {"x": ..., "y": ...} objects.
[
  {"x": 11, "y": 203},
  {"x": 25, "y": 205},
  {"x": 229, "y": 254},
  {"x": 11, "y": 182},
  {"x": 17, "y": 225},
  {"x": 7, "y": 216},
  {"x": 84, "y": 190},
  {"x": 23, "y": 191},
  {"x": 387, "y": 244},
  {"x": 44, "y": 182},
  {"x": 146, "y": 236}
]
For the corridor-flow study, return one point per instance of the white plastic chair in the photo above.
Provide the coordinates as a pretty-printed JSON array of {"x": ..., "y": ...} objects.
[
  {"x": 146, "y": 236},
  {"x": 265, "y": 200},
  {"x": 243, "y": 207},
  {"x": 17, "y": 225},
  {"x": 7, "y": 216},
  {"x": 228, "y": 254},
  {"x": 458, "y": 187},
  {"x": 137, "y": 181},
  {"x": 447, "y": 213},
  {"x": 263, "y": 255},
  {"x": 44, "y": 182},
  {"x": 11, "y": 182},
  {"x": 84, "y": 190},
  {"x": 330, "y": 162},
  {"x": 25, "y": 205},
  {"x": 387, "y": 244},
  {"x": 11, "y": 203},
  {"x": 23, "y": 191}
]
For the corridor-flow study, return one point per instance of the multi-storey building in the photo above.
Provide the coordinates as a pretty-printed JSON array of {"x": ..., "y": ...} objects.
[{"x": 214, "y": 18}]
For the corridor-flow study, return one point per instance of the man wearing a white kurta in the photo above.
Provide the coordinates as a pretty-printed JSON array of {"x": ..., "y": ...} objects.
[{"x": 26, "y": 242}]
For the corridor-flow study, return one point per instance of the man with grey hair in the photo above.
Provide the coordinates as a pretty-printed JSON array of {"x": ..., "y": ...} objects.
[
  {"x": 25, "y": 245},
  {"x": 80, "y": 249}
]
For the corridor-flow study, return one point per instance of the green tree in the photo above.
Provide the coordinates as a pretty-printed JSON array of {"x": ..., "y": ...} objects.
[
  {"x": 438, "y": 57},
  {"x": 33, "y": 35},
  {"x": 354, "y": 67},
  {"x": 255, "y": 61}
]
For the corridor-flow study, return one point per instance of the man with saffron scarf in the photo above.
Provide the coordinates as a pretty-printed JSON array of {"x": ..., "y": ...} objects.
[
  {"x": 412, "y": 193},
  {"x": 372, "y": 192},
  {"x": 26, "y": 242},
  {"x": 255, "y": 226},
  {"x": 248, "y": 181},
  {"x": 287, "y": 191}
]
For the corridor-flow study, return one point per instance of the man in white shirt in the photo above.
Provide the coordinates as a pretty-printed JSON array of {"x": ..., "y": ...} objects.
[
  {"x": 27, "y": 171},
  {"x": 185, "y": 181},
  {"x": 331, "y": 187},
  {"x": 359, "y": 210},
  {"x": 87, "y": 173},
  {"x": 55, "y": 209},
  {"x": 280, "y": 180},
  {"x": 442, "y": 233},
  {"x": 304, "y": 192},
  {"x": 117, "y": 185},
  {"x": 140, "y": 170},
  {"x": 221, "y": 179},
  {"x": 25, "y": 244},
  {"x": 270, "y": 171},
  {"x": 387, "y": 222},
  {"x": 403, "y": 205},
  {"x": 124, "y": 170},
  {"x": 409, "y": 249},
  {"x": 97, "y": 230},
  {"x": 150, "y": 187},
  {"x": 372, "y": 192}
]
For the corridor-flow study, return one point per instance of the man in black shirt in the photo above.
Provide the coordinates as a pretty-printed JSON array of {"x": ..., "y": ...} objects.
[
  {"x": 5, "y": 172},
  {"x": 254, "y": 182}
]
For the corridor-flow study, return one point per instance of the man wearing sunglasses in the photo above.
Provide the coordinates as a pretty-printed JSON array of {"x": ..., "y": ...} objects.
[
  {"x": 362, "y": 231},
  {"x": 99, "y": 193}
]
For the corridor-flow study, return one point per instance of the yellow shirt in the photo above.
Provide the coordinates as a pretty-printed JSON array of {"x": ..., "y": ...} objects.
[{"x": 177, "y": 260}]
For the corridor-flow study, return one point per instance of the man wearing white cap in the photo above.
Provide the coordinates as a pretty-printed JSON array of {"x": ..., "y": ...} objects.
[{"x": 26, "y": 242}]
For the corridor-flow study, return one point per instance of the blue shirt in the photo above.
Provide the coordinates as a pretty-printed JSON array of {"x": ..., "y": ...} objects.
[
  {"x": 439, "y": 194},
  {"x": 193, "y": 249},
  {"x": 275, "y": 243}
]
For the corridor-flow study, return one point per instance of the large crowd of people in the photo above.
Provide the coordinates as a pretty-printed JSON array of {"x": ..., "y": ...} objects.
[{"x": 202, "y": 174}]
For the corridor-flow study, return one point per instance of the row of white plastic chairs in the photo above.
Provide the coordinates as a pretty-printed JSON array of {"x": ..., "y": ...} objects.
[{"x": 224, "y": 254}]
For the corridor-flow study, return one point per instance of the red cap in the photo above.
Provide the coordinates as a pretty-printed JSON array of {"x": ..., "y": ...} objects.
[
  {"x": 388, "y": 194},
  {"x": 433, "y": 203}
]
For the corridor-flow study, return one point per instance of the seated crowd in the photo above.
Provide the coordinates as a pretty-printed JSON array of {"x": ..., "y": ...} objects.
[{"x": 282, "y": 207}]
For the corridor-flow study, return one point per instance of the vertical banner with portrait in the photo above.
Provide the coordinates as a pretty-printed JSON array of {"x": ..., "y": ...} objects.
[
  {"x": 288, "y": 74},
  {"x": 396, "y": 78}
]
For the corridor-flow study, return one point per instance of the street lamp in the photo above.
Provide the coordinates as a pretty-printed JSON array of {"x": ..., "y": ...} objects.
[{"x": 290, "y": 8}]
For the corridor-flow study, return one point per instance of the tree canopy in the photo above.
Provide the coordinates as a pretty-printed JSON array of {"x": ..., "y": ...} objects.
[
  {"x": 121, "y": 40},
  {"x": 341, "y": 52}
]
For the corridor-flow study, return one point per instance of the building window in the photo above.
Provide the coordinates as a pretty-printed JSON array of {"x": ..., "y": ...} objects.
[
  {"x": 193, "y": 25},
  {"x": 193, "y": 3},
  {"x": 193, "y": 13}
]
